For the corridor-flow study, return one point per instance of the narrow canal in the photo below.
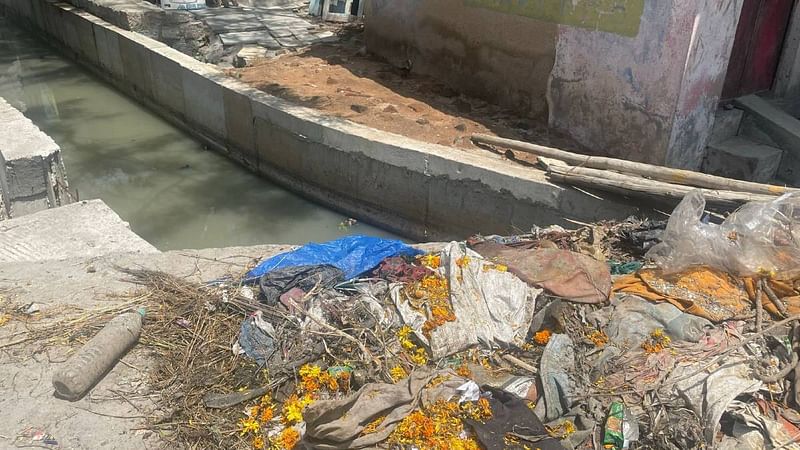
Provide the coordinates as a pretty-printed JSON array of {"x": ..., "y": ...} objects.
[{"x": 175, "y": 193}]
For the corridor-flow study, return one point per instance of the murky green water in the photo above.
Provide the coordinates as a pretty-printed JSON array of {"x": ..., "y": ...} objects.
[{"x": 172, "y": 191}]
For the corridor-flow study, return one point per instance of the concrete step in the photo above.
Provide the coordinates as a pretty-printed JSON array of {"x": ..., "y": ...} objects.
[
  {"x": 789, "y": 104},
  {"x": 781, "y": 127},
  {"x": 750, "y": 129},
  {"x": 84, "y": 229},
  {"x": 726, "y": 124},
  {"x": 743, "y": 159}
]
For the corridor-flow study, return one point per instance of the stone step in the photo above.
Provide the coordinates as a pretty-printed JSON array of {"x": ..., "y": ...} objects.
[
  {"x": 743, "y": 159},
  {"x": 82, "y": 229},
  {"x": 780, "y": 126},
  {"x": 726, "y": 124}
]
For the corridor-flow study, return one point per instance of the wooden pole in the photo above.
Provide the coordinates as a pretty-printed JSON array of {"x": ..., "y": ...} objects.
[
  {"x": 643, "y": 188},
  {"x": 658, "y": 173}
]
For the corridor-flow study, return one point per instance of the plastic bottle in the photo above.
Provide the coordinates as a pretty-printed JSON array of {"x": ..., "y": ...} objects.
[{"x": 98, "y": 356}]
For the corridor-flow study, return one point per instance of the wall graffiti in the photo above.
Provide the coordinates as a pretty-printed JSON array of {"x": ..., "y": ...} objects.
[{"x": 614, "y": 16}]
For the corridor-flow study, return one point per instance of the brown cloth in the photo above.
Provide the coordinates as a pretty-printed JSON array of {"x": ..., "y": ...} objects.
[
  {"x": 562, "y": 273},
  {"x": 338, "y": 424}
]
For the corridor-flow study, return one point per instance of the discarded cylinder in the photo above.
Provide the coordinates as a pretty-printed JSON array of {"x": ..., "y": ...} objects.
[{"x": 88, "y": 366}]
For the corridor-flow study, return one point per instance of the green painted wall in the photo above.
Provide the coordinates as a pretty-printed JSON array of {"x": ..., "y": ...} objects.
[{"x": 614, "y": 16}]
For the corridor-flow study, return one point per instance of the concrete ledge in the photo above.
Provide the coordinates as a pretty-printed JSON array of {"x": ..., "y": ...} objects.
[
  {"x": 780, "y": 126},
  {"x": 62, "y": 233},
  {"x": 32, "y": 174},
  {"x": 420, "y": 190}
]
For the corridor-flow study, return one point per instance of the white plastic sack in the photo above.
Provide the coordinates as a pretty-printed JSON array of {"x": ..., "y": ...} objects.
[
  {"x": 759, "y": 237},
  {"x": 492, "y": 308}
]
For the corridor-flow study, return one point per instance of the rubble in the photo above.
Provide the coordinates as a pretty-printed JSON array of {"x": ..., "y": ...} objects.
[{"x": 370, "y": 343}]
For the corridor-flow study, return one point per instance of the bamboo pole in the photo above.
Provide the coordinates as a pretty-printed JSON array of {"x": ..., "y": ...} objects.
[
  {"x": 658, "y": 173},
  {"x": 643, "y": 188}
]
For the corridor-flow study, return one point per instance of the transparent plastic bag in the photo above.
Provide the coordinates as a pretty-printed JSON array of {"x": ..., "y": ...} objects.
[{"x": 758, "y": 238}]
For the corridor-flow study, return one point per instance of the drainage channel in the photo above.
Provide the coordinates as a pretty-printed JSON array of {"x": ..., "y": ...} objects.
[{"x": 174, "y": 193}]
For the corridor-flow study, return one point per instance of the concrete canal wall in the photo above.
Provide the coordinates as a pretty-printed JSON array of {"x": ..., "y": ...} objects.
[
  {"x": 420, "y": 190},
  {"x": 32, "y": 175}
]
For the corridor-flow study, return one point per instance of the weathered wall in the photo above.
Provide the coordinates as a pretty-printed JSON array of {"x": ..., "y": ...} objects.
[
  {"x": 420, "y": 190},
  {"x": 710, "y": 45},
  {"x": 482, "y": 52},
  {"x": 650, "y": 97},
  {"x": 32, "y": 174},
  {"x": 635, "y": 79}
]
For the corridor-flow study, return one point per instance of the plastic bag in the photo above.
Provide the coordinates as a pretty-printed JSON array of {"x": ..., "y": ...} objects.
[
  {"x": 354, "y": 255},
  {"x": 493, "y": 308},
  {"x": 758, "y": 238}
]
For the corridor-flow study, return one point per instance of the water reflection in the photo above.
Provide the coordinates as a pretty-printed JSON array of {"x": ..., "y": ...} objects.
[{"x": 174, "y": 193}]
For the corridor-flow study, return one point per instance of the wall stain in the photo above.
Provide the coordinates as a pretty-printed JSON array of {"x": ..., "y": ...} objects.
[{"x": 621, "y": 17}]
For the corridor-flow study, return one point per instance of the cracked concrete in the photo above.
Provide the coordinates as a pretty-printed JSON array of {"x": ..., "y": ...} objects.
[{"x": 113, "y": 414}]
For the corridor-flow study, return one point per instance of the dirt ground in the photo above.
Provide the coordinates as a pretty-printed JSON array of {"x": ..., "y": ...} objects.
[{"x": 343, "y": 80}]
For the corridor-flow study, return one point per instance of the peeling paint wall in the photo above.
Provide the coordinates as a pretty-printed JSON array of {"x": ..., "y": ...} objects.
[
  {"x": 617, "y": 94},
  {"x": 634, "y": 79},
  {"x": 703, "y": 79}
]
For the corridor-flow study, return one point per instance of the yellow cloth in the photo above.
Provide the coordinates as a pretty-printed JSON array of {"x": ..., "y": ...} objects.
[{"x": 706, "y": 292}]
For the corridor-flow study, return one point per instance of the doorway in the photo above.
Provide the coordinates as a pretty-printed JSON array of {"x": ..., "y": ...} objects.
[{"x": 757, "y": 47}]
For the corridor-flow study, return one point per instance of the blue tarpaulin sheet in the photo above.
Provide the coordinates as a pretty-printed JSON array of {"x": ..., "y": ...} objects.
[{"x": 354, "y": 255}]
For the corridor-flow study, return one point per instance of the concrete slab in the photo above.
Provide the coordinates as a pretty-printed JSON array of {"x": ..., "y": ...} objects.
[
  {"x": 205, "y": 106},
  {"x": 24, "y": 139},
  {"x": 750, "y": 129},
  {"x": 168, "y": 80},
  {"x": 83, "y": 229},
  {"x": 726, "y": 124},
  {"x": 228, "y": 22},
  {"x": 32, "y": 176},
  {"x": 136, "y": 65},
  {"x": 248, "y": 54},
  {"x": 243, "y": 37},
  {"x": 85, "y": 30},
  {"x": 780, "y": 126},
  {"x": 743, "y": 159},
  {"x": 239, "y": 124},
  {"x": 279, "y": 31},
  {"x": 102, "y": 419},
  {"x": 290, "y": 41},
  {"x": 29, "y": 205},
  {"x": 108, "y": 53}
]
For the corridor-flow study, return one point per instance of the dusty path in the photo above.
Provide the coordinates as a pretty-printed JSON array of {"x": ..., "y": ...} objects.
[{"x": 342, "y": 80}]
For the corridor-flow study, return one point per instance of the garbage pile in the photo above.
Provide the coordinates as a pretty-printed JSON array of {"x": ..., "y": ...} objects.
[{"x": 637, "y": 334}]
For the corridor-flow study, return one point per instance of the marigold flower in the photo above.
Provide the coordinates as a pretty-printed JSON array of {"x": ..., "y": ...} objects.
[
  {"x": 562, "y": 430},
  {"x": 288, "y": 438},
  {"x": 419, "y": 357},
  {"x": 542, "y": 337},
  {"x": 248, "y": 425},
  {"x": 464, "y": 371},
  {"x": 657, "y": 341},
  {"x": 267, "y": 414},
  {"x": 431, "y": 260},
  {"x": 373, "y": 426},
  {"x": 598, "y": 338},
  {"x": 293, "y": 408},
  {"x": 398, "y": 373},
  {"x": 438, "y": 427},
  {"x": 309, "y": 371}
]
